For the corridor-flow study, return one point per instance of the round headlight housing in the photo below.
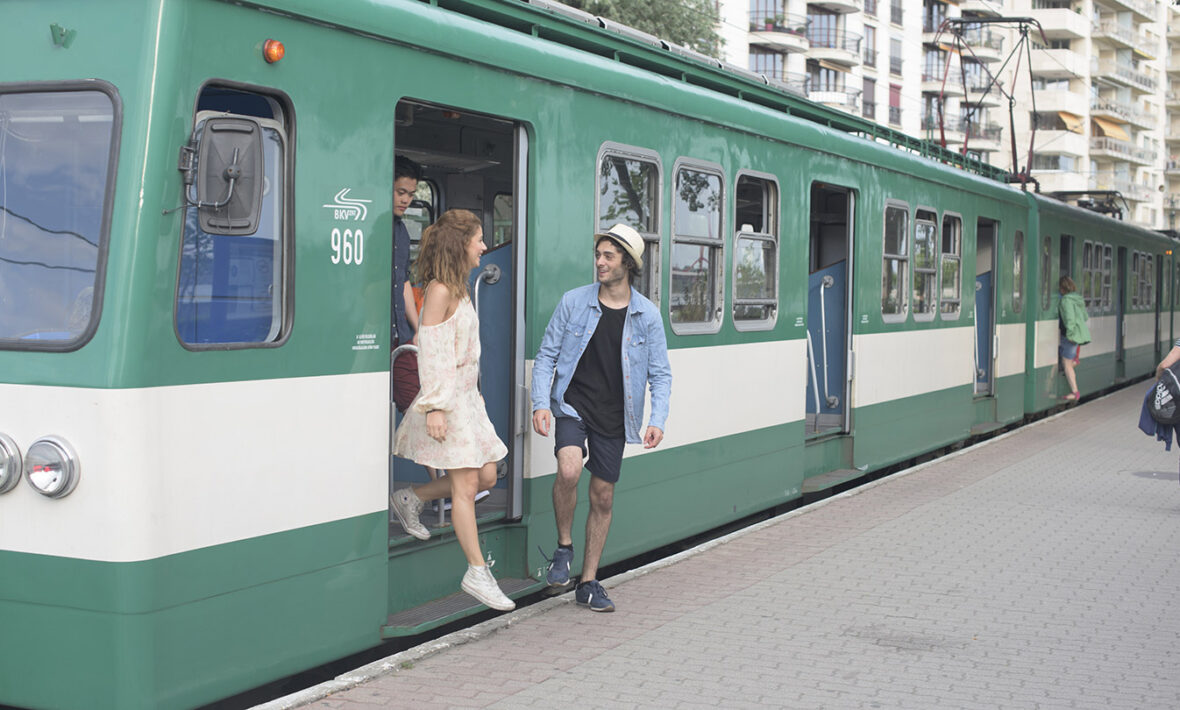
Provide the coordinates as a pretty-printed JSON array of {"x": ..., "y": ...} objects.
[
  {"x": 10, "y": 463},
  {"x": 51, "y": 466}
]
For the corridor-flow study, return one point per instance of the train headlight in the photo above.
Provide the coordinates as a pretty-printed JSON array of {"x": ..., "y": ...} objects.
[
  {"x": 51, "y": 466},
  {"x": 10, "y": 463}
]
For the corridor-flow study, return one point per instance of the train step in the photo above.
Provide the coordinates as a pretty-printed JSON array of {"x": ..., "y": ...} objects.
[
  {"x": 824, "y": 481},
  {"x": 447, "y": 609},
  {"x": 985, "y": 427}
]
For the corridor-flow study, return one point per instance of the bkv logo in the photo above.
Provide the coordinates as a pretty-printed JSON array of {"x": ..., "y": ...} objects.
[{"x": 348, "y": 208}]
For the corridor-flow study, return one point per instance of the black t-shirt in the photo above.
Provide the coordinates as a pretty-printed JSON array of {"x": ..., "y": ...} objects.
[{"x": 596, "y": 389}]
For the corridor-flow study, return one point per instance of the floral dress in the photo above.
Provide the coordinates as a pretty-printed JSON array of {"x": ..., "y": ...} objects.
[{"x": 448, "y": 366}]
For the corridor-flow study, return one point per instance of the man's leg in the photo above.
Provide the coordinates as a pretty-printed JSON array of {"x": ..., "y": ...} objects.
[
  {"x": 565, "y": 491},
  {"x": 602, "y": 498}
]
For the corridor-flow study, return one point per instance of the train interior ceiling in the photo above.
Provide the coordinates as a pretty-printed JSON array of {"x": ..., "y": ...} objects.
[{"x": 468, "y": 162}]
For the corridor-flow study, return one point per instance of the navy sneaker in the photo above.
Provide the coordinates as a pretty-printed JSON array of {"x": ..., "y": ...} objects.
[
  {"x": 559, "y": 567},
  {"x": 592, "y": 594}
]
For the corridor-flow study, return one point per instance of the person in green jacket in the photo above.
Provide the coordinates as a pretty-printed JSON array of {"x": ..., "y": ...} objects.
[{"x": 1072, "y": 317}]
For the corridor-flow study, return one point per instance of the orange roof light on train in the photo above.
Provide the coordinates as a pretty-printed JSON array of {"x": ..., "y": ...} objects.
[{"x": 273, "y": 50}]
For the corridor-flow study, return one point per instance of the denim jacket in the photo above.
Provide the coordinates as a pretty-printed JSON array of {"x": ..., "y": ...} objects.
[{"x": 645, "y": 357}]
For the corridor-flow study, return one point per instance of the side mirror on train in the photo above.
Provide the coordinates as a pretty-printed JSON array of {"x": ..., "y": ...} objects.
[{"x": 229, "y": 176}]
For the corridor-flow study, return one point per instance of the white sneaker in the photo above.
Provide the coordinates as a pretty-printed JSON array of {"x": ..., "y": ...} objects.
[
  {"x": 407, "y": 506},
  {"x": 479, "y": 583}
]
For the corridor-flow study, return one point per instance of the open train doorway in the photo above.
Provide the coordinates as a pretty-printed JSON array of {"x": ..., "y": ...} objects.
[
  {"x": 474, "y": 162},
  {"x": 985, "y": 321},
  {"x": 828, "y": 322}
]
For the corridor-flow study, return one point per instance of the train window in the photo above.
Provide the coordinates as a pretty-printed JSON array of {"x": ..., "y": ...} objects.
[
  {"x": 1148, "y": 280},
  {"x": 1065, "y": 257},
  {"x": 629, "y": 191},
  {"x": 1088, "y": 273},
  {"x": 1137, "y": 279},
  {"x": 950, "y": 262},
  {"x": 1106, "y": 271},
  {"x": 694, "y": 298},
  {"x": 232, "y": 288},
  {"x": 1018, "y": 272},
  {"x": 925, "y": 265},
  {"x": 420, "y": 214},
  {"x": 755, "y": 261},
  {"x": 1046, "y": 272},
  {"x": 501, "y": 219},
  {"x": 894, "y": 276},
  {"x": 57, "y": 166}
]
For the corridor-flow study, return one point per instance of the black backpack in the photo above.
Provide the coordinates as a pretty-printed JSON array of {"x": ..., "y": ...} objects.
[{"x": 1164, "y": 403}]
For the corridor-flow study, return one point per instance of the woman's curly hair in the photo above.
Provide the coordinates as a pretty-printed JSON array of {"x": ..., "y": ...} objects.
[{"x": 442, "y": 255}]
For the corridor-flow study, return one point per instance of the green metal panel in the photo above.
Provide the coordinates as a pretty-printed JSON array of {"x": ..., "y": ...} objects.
[{"x": 187, "y": 629}]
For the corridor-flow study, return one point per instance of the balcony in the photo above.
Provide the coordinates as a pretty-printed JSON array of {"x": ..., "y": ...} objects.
[
  {"x": 933, "y": 80},
  {"x": 1173, "y": 134},
  {"x": 1107, "y": 147},
  {"x": 844, "y": 100},
  {"x": 871, "y": 8},
  {"x": 976, "y": 97},
  {"x": 1063, "y": 142},
  {"x": 1059, "y": 64},
  {"x": 1147, "y": 46},
  {"x": 895, "y": 13},
  {"x": 1145, "y": 9},
  {"x": 1114, "y": 34},
  {"x": 1173, "y": 63},
  {"x": 982, "y": 8},
  {"x": 870, "y": 58},
  {"x": 782, "y": 33},
  {"x": 795, "y": 83},
  {"x": 1126, "y": 75},
  {"x": 834, "y": 46},
  {"x": 843, "y": 7},
  {"x": 895, "y": 115},
  {"x": 1111, "y": 108},
  {"x": 895, "y": 66},
  {"x": 1107, "y": 180},
  {"x": 868, "y": 109},
  {"x": 1071, "y": 102},
  {"x": 985, "y": 45},
  {"x": 1172, "y": 168},
  {"x": 1054, "y": 181},
  {"x": 1172, "y": 98},
  {"x": 1060, "y": 23},
  {"x": 952, "y": 129},
  {"x": 986, "y": 136},
  {"x": 1173, "y": 26}
]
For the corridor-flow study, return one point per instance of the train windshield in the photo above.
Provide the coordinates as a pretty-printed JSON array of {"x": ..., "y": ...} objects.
[{"x": 55, "y": 153}]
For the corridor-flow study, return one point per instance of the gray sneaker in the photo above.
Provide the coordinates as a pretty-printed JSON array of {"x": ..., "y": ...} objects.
[
  {"x": 559, "y": 567},
  {"x": 407, "y": 506},
  {"x": 479, "y": 583}
]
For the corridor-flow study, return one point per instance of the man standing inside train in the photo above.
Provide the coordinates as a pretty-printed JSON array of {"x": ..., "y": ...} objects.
[
  {"x": 603, "y": 347},
  {"x": 406, "y": 175}
]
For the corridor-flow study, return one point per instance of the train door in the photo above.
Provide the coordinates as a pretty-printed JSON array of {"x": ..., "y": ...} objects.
[
  {"x": 1120, "y": 314},
  {"x": 1159, "y": 304},
  {"x": 985, "y": 322},
  {"x": 473, "y": 162},
  {"x": 828, "y": 322}
]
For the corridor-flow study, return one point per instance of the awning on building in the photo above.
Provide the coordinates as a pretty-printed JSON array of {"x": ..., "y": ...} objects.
[
  {"x": 1111, "y": 129},
  {"x": 1073, "y": 122}
]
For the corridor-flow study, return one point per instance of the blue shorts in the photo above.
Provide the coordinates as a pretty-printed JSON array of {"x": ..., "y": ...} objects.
[
  {"x": 606, "y": 453},
  {"x": 1068, "y": 349}
]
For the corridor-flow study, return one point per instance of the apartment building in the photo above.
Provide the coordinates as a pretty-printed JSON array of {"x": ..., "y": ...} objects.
[{"x": 1099, "y": 84}]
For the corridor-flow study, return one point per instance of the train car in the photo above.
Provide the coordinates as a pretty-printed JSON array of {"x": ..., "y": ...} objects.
[{"x": 195, "y": 288}]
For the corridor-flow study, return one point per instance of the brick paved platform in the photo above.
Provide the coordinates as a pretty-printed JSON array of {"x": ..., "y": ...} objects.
[{"x": 1039, "y": 570}]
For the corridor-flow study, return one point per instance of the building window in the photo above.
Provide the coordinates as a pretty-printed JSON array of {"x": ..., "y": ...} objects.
[
  {"x": 925, "y": 265},
  {"x": 694, "y": 301},
  {"x": 895, "y": 56},
  {"x": 755, "y": 261},
  {"x": 951, "y": 273},
  {"x": 629, "y": 192},
  {"x": 894, "y": 281}
]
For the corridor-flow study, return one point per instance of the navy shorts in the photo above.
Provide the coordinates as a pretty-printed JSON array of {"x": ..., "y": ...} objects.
[{"x": 606, "y": 453}]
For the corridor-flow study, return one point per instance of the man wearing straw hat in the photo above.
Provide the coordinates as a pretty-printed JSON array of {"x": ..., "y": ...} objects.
[{"x": 603, "y": 347}]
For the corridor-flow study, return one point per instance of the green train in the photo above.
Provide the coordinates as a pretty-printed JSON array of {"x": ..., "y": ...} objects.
[{"x": 195, "y": 287}]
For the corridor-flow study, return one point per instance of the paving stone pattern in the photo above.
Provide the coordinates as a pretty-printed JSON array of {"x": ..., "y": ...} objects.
[{"x": 1036, "y": 571}]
